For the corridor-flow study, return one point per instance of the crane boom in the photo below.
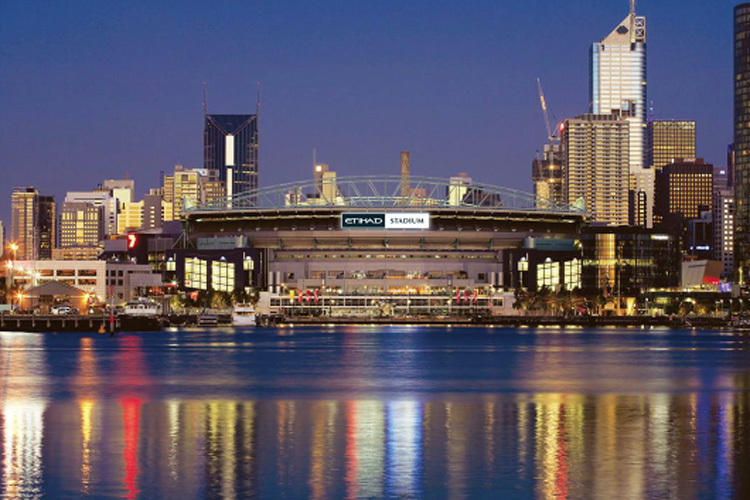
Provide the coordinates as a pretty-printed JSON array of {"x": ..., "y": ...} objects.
[{"x": 551, "y": 134}]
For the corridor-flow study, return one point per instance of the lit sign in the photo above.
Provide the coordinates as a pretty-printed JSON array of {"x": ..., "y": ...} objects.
[
  {"x": 395, "y": 220},
  {"x": 132, "y": 240}
]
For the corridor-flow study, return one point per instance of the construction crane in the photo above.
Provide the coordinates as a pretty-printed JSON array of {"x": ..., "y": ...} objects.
[{"x": 552, "y": 134}]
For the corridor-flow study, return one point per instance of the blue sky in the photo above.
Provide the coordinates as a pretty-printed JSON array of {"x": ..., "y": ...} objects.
[{"x": 96, "y": 89}]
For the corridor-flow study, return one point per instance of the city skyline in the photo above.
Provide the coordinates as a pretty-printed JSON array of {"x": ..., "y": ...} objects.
[{"x": 341, "y": 120}]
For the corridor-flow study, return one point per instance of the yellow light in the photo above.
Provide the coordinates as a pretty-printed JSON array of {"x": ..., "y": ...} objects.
[{"x": 13, "y": 246}]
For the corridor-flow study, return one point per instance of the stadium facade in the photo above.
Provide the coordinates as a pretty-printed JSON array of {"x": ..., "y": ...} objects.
[{"x": 375, "y": 246}]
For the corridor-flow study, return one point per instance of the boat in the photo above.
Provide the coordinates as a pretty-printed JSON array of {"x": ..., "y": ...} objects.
[
  {"x": 741, "y": 324},
  {"x": 142, "y": 307},
  {"x": 141, "y": 314},
  {"x": 207, "y": 319},
  {"x": 243, "y": 315}
]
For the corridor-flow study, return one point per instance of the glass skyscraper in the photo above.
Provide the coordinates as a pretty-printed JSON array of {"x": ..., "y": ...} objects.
[
  {"x": 617, "y": 82},
  {"x": 230, "y": 146},
  {"x": 742, "y": 140}
]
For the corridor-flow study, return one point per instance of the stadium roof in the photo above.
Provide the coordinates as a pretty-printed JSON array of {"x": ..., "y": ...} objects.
[{"x": 386, "y": 192}]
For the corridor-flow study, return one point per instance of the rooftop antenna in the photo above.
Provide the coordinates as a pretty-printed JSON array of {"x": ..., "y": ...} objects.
[
  {"x": 257, "y": 100},
  {"x": 632, "y": 7},
  {"x": 205, "y": 108},
  {"x": 651, "y": 113}
]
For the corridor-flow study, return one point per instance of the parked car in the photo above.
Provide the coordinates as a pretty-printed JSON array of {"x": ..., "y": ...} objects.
[{"x": 62, "y": 310}]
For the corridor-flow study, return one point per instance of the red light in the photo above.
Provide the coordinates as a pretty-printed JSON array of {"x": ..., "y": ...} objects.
[{"x": 132, "y": 240}]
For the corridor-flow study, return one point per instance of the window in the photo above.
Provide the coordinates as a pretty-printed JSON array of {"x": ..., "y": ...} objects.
[
  {"x": 548, "y": 274},
  {"x": 222, "y": 276},
  {"x": 572, "y": 274},
  {"x": 196, "y": 273},
  {"x": 66, "y": 272}
]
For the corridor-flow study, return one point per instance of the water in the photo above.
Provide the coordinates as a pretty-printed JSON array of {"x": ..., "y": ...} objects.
[{"x": 371, "y": 412}]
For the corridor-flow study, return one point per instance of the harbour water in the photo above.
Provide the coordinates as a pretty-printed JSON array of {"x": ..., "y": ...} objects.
[{"x": 368, "y": 412}]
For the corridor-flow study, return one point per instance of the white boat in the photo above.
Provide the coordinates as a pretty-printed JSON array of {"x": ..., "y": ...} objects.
[
  {"x": 243, "y": 315},
  {"x": 142, "y": 307}
]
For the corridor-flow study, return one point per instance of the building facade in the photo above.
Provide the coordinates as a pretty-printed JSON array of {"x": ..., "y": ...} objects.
[
  {"x": 684, "y": 189},
  {"x": 187, "y": 188},
  {"x": 547, "y": 176},
  {"x": 47, "y": 225},
  {"x": 25, "y": 223},
  {"x": 81, "y": 224},
  {"x": 105, "y": 281},
  {"x": 617, "y": 82},
  {"x": 723, "y": 219},
  {"x": 595, "y": 155},
  {"x": 669, "y": 139},
  {"x": 741, "y": 173},
  {"x": 230, "y": 147}
]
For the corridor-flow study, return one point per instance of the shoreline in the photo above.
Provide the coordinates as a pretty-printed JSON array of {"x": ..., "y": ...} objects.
[{"x": 95, "y": 323}]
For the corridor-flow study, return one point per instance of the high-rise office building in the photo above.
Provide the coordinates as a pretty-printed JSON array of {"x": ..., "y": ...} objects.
[
  {"x": 47, "y": 226},
  {"x": 130, "y": 217},
  {"x": 685, "y": 189},
  {"x": 669, "y": 139},
  {"x": 594, "y": 153},
  {"x": 81, "y": 224},
  {"x": 741, "y": 172},
  {"x": 230, "y": 147},
  {"x": 723, "y": 219},
  {"x": 546, "y": 174},
  {"x": 24, "y": 228},
  {"x": 100, "y": 197},
  {"x": 2, "y": 239},
  {"x": 617, "y": 82},
  {"x": 188, "y": 187}
]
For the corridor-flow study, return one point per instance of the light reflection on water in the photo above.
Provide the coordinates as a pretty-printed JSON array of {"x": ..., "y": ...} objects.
[{"x": 92, "y": 416}]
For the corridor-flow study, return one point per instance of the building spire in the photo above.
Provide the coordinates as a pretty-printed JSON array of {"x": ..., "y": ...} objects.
[
  {"x": 632, "y": 7},
  {"x": 205, "y": 108}
]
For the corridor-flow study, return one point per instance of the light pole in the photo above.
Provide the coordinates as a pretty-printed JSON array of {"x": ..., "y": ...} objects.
[{"x": 13, "y": 248}]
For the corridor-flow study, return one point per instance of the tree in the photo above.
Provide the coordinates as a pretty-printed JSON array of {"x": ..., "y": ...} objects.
[{"x": 221, "y": 300}]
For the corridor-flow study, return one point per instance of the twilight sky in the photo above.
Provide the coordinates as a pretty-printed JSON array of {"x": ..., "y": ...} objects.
[{"x": 95, "y": 89}]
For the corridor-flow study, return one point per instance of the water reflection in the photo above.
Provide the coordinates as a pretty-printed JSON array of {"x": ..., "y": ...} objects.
[
  {"x": 23, "y": 372},
  {"x": 611, "y": 446},
  {"x": 112, "y": 431}
]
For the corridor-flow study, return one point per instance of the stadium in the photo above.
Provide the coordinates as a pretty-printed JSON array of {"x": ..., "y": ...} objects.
[{"x": 388, "y": 245}]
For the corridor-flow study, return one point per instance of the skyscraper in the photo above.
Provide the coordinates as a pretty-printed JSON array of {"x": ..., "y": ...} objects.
[
  {"x": 24, "y": 226},
  {"x": 187, "y": 187},
  {"x": 546, "y": 174},
  {"x": 230, "y": 146},
  {"x": 81, "y": 224},
  {"x": 2, "y": 239},
  {"x": 669, "y": 139},
  {"x": 741, "y": 171},
  {"x": 617, "y": 82},
  {"x": 685, "y": 190},
  {"x": 723, "y": 218},
  {"x": 594, "y": 152},
  {"x": 47, "y": 224}
]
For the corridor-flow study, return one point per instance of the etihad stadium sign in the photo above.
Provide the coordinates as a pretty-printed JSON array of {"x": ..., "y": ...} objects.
[{"x": 382, "y": 220}]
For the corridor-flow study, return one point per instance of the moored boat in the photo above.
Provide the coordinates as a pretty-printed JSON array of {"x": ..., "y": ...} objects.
[{"x": 243, "y": 315}]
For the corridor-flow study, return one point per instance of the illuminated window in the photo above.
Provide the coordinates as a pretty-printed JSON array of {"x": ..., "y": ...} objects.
[
  {"x": 548, "y": 274},
  {"x": 196, "y": 271},
  {"x": 222, "y": 276},
  {"x": 572, "y": 274},
  {"x": 248, "y": 264}
]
